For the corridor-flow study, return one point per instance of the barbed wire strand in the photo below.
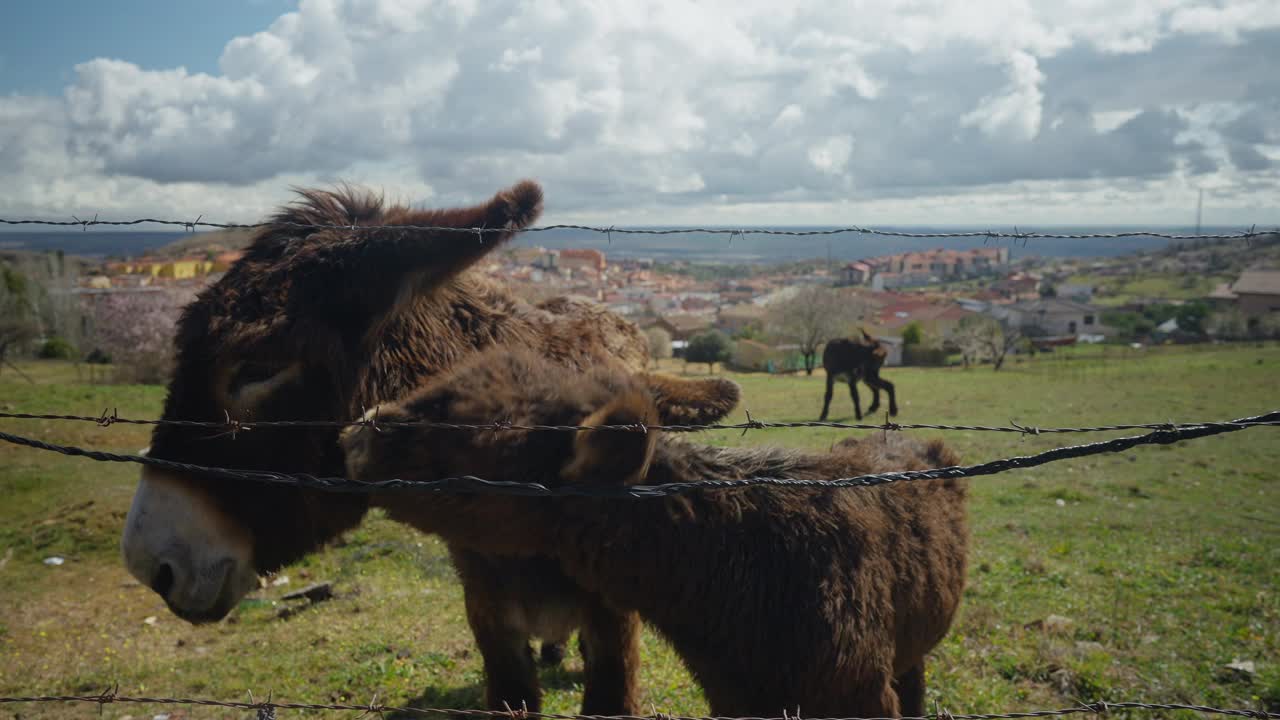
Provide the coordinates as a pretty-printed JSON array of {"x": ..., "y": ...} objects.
[
  {"x": 472, "y": 484},
  {"x": 1097, "y": 708},
  {"x": 1249, "y": 234},
  {"x": 107, "y": 419}
]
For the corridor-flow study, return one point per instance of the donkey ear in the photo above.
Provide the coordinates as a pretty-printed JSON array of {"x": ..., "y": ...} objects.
[
  {"x": 429, "y": 257},
  {"x": 681, "y": 401},
  {"x": 865, "y": 336},
  {"x": 386, "y": 267},
  {"x": 614, "y": 457}
]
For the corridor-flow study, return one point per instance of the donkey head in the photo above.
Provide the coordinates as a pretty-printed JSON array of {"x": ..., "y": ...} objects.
[
  {"x": 308, "y": 324},
  {"x": 528, "y": 390}
]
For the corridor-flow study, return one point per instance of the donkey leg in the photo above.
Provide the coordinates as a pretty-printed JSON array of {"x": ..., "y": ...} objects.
[
  {"x": 511, "y": 675},
  {"x": 826, "y": 400},
  {"x": 893, "y": 400},
  {"x": 610, "y": 643},
  {"x": 910, "y": 687},
  {"x": 875, "y": 395},
  {"x": 551, "y": 653},
  {"x": 853, "y": 393}
]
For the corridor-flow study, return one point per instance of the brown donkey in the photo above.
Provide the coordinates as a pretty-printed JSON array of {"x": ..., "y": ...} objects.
[
  {"x": 318, "y": 324},
  {"x": 776, "y": 598}
]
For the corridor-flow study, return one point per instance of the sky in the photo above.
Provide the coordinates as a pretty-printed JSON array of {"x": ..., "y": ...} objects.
[{"x": 734, "y": 112}]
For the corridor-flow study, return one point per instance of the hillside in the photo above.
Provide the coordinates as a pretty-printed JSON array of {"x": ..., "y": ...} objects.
[{"x": 218, "y": 241}]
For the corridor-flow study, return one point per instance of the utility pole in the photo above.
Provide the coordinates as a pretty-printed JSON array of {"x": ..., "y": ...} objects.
[{"x": 1199, "y": 210}]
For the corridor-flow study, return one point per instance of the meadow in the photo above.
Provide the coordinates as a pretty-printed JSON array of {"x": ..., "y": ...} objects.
[{"x": 1134, "y": 576}]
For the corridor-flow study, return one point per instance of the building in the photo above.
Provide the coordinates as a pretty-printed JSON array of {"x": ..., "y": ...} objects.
[
  {"x": 736, "y": 318},
  {"x": 1257, "y": 293},
  {"x": 583, "y": 258},
  {"x": 1075, "y": 291},
  {"x": 936, "y": 320},
  {"x": 681, "y": 327},
  {"x": 1054, "y": 317},
  {"x": 855, "y": 273},
  {"x": 180, "y": 269}
]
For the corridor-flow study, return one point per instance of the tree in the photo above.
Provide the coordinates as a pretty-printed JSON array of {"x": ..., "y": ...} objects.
[
  {"x": 979, "y": 336},
  {"x": 17, "y": 327},
  {"x": 912, "y": 334},
  {"x": 136, "y": 330},
  {"x": 814, "y": 315},
  {"x": 659, "y": 343},
  {"x": 14, "y": 333},
  {"x": 709, "y": 347}
]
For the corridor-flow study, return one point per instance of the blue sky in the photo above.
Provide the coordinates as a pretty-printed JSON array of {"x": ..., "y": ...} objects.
[
  {"x": 41, "y": 41},
  {"x": 1004, "y": 112}
]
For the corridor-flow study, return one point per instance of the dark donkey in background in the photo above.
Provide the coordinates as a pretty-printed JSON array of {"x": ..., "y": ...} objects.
[
  {"x": 320, "y": 323},
  {"x": 853, "y": 360}
]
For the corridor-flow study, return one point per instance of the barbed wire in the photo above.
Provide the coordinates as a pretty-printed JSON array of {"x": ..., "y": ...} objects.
[
  {"x": 472, "y": 484},
  {"x": 231, "y": 425},
  {"x": 742, "y": 232},
  {"x": 267, "y": 708}
]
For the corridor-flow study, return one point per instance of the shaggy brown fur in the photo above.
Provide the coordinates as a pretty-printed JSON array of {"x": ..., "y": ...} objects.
[
  {"x": 854, "y": 360},
  {"x": 321, "y": 323},
  {"x": 776, "y": 598}
]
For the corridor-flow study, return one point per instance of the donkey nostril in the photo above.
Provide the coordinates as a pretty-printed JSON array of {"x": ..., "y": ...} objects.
[{"x": 162, "y": 583}]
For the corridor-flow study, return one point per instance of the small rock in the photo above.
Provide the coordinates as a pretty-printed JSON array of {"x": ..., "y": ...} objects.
[
  {"x": 202, "y": 650},
  {"x": 318, "y": 592},
  {"x": 150, "y": 620},
  {"x": 304, "y": 574},
  {"x": 282, "y": 580},
  {"x": 1238, "y": 671},
  {"x": 161, "y": 716},
  {"x": 180, "y": 643},
  {"x": 53, "y": 561},
  {"x": 1060, "y": 502},
  {"x": 1053, "y": 624},
  {"x": 1063, "y": 680},
  {"x": 404, "y": 655}
]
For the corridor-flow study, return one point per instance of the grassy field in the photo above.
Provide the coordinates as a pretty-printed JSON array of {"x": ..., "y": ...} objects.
[
  {"x": 1133, "y": 576},
  {"x": 1111, "y": 291}
]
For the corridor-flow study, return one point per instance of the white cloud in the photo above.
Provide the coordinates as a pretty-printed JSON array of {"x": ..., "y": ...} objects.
[
  {"x": 681, "y": 107},
  {"x": 1014, "y": 112},
  {"x": 832, "y": 154}
]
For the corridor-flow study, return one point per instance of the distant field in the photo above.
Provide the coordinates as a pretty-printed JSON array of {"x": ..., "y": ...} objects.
[
  {"x": 1120, "y": 290},
  {"x": 1164, "y": 562}
]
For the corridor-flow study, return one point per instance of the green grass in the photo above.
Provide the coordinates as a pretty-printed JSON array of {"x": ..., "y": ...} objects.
[
  {"x": 1165, "y": 560},
  {"x": 1118, "y": 290}
]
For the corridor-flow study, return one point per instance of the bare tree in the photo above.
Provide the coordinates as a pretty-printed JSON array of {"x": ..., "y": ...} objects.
[
  {"x": 17, "y": 326},
  {"x": 979, "y": 337},
  {"x": 659, "y": 343},
  {"x": 814, "y": 315}
]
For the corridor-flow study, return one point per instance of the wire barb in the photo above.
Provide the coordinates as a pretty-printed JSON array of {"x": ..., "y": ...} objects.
[{"x": 109, "y": 420}]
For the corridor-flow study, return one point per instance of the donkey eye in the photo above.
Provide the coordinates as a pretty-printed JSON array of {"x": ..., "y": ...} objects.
[{"x": 251, "y": 372}]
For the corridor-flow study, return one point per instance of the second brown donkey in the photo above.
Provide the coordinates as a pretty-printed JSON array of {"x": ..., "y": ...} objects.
[{"x": 777, "y": 598}]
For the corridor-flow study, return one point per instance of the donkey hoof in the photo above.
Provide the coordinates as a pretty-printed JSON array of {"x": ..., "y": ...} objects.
[{"x": 552, "y": 654}]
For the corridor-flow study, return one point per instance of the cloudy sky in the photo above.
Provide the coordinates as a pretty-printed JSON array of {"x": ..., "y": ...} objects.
[{"x": 638, "y": 112}]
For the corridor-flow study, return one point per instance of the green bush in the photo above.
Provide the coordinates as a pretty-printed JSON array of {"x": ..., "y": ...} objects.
[
  {"x": 912, "y": 334},
  {"x": 55, "y": 348}
]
